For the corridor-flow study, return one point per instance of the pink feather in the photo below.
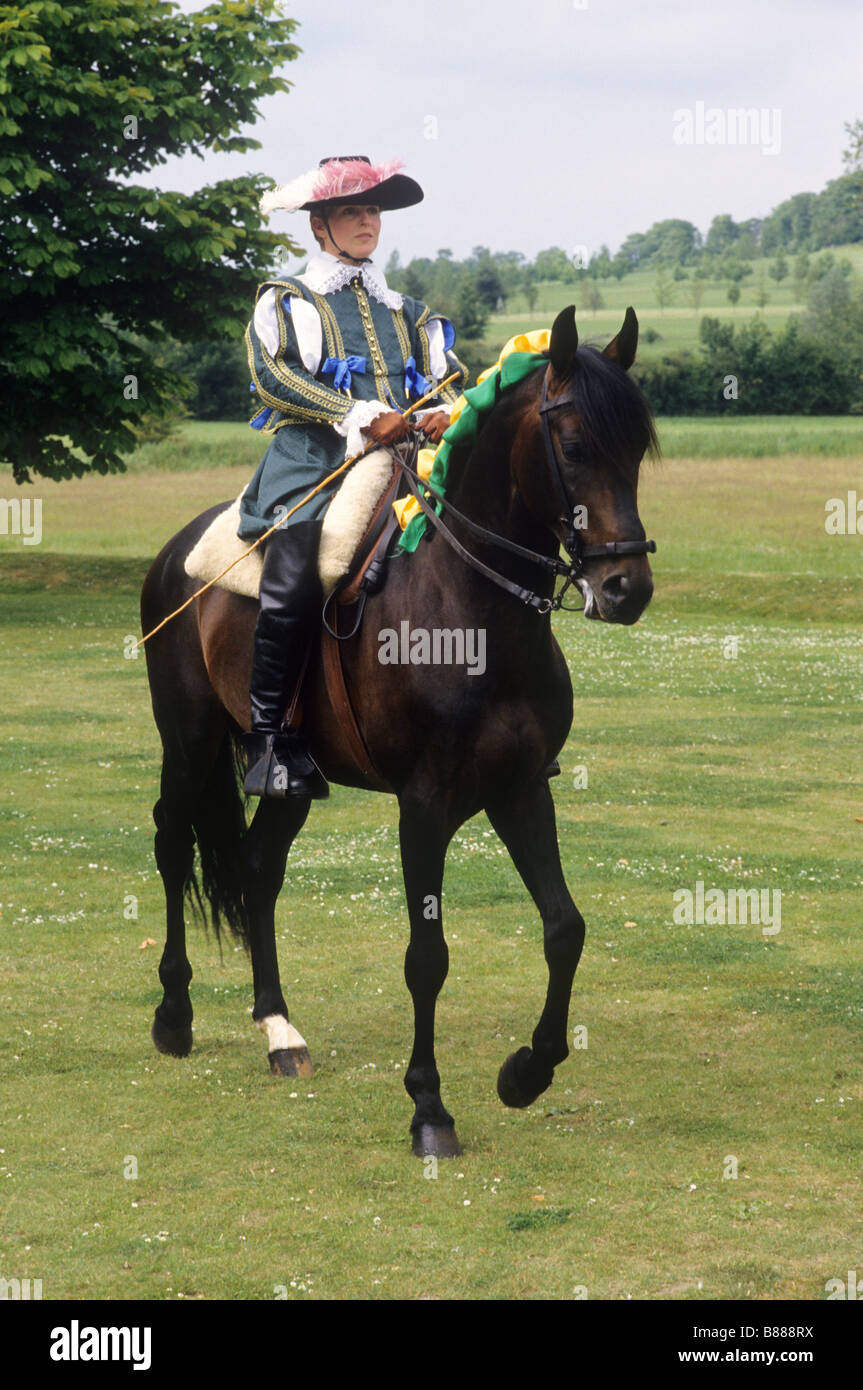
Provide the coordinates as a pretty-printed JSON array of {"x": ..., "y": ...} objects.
[{"x": 342, "y": 177}]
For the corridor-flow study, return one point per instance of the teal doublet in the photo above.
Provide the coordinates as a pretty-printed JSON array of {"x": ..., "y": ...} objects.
[{"x": 368, "y": 350}]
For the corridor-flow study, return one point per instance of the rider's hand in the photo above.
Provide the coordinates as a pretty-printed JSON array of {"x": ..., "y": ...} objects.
[
  {"x": 434, "y": 425},
  {"x": 390, "y": 428}
]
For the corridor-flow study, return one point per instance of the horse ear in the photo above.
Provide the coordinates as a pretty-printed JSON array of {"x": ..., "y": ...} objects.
[
  {"x": 622, "y": 348},
  {"x": 564, "y": 342}
]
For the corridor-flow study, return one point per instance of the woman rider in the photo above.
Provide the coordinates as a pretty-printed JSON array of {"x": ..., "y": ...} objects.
[{"x": 335, "y": 357}]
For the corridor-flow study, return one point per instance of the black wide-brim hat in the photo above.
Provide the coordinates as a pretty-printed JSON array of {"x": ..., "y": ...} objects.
[{"x": 346, "y": 180}]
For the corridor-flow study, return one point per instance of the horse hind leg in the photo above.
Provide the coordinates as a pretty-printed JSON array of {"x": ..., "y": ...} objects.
[
  {"x": 199, "y": 804},
  {"x": 526, "y": 824},
  {"x": 175, "y": 855}
]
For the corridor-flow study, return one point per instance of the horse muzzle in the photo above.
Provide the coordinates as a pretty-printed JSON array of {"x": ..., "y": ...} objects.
[{"x": 618, "y": 597}]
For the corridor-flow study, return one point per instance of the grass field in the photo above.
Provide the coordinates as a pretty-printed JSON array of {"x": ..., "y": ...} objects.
[{"x": 711, "y": 1049}]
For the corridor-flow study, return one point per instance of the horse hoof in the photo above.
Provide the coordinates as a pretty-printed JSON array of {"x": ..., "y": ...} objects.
[
  {"x": 175, "y": 1042},
  {"x": 435, "y": 1141},
  {"x": 291, "y": 1061},
  {"x": 511, "y": 1084}
]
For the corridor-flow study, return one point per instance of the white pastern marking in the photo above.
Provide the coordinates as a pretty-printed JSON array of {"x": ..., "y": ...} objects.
[{"x": 280, "y": 1033}]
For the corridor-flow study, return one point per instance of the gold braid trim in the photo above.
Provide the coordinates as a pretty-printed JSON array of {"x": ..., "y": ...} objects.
[
  {"x": 452, "y": 393},
  {"x": 279, "y": 284},
  {"x": 382, "y": 376},
  {"x": 329, "y": 402},
  {"x": 332, "y": 332},
  {"x": 321, "y": 410},
  {"x": 423, "y": 342},
  {"x": 402, "y": 334}
]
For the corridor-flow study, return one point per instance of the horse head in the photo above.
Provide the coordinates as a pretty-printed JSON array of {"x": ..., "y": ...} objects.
[{"x": 592, "y": 428}]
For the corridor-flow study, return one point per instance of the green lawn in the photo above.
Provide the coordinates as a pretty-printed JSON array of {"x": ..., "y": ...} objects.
[{"x": 711, "y": 1049}]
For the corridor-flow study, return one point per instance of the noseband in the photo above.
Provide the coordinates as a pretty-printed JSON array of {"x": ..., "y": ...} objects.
[{"x": 578, "y": 552}]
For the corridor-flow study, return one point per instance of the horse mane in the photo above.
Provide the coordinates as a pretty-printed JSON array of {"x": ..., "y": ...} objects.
[{"x": 617, "y": 422}]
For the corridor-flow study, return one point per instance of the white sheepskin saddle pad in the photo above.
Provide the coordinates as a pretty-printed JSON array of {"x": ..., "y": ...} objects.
[{"x": 345, "y": 521}]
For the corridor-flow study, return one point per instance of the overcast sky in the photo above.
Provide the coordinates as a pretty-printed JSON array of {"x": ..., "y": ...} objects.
[{"x": 534, "y": 123}]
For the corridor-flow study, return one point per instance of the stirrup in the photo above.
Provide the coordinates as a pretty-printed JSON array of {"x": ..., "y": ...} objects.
[{"x": 280, "y": 765}]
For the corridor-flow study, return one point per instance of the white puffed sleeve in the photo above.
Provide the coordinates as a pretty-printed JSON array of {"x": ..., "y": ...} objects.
[{"x": 307, "y": 327}]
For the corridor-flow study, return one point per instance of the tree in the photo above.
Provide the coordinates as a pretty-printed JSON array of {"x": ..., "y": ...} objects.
[
  {"x": 601, "y": 266},
  {"x": 100, "y": 269},
  {"x": 732, "y": 269},
  {"x": 779, "y": 269},
  {"x": 789, "y": 224},
  {"x": 664, "y": 288},
  {"x": 416, "y": 279},
  {"x": 510, "y": 266},
  {"x": 530, "y": 289},
  {"x": 471, "y": 314},
  {"x": 696, "y": 292},
  {"x": 487, "y": 281},
  {"x": 762, "y": 298},
  {"x": 552, "y": 264},
  {"x": 853, "y": 155},
  {"x": 834, "y": 312},
  {"x": 219, "y": 373},
  {"x": 747, "y": 243},
  {"x": 837, "y": 215},
  {"x": 722, "y": 235},
  {"x": 631, "y": 252},
  {"x": 593, "y": 296},
  {"x": 801, "y": 274}
]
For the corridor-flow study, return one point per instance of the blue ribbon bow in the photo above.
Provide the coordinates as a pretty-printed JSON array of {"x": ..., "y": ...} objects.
[
  {"x": 341, "y": 368},
  {"x": 415, "y": 382}
]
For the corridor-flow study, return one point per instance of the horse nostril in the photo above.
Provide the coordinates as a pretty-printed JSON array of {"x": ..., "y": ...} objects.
[{"x": 616, "y": 587}]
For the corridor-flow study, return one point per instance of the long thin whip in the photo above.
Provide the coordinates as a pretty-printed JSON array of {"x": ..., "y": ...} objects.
[{"x": 282, "y": 519}]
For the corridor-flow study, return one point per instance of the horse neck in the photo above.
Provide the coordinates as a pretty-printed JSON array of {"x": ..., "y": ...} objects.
[{"x": 483, "y": 487}]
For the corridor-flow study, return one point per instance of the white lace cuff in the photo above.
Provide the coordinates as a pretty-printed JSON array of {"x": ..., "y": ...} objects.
[{"x": 358, "y": 418}]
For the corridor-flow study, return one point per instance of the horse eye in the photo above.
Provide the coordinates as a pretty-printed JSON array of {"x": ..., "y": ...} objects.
[{"x": 573, "y": 450}]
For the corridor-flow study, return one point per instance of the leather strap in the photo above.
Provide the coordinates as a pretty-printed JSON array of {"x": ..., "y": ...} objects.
[
  {"x": 542, "y": 605},
  {"x": 337, "y": 690},
  {"x": 294, "y": 714}
]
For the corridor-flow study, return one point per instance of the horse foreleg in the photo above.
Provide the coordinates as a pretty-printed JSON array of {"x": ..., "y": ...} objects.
[
  {"x": 275, "y": 826},
  {"x": 527, "y": 827},
  {"x": 423, "y": 851}
]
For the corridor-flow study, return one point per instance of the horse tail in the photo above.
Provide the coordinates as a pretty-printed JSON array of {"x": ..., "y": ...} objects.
[{"x": 219, "y": 824}]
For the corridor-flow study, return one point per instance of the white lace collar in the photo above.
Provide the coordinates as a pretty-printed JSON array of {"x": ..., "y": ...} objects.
[{"x": 325, "y": 274}]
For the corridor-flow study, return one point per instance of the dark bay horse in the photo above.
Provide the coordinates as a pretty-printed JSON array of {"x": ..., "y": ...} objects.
[{"x": 450, "y": 740}]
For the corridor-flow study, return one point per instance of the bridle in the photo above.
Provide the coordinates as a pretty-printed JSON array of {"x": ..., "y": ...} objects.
[{"x": 578, "y": 552}]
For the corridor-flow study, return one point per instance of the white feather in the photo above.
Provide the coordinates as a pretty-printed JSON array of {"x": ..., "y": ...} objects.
[{"x": 289, "y": 197}]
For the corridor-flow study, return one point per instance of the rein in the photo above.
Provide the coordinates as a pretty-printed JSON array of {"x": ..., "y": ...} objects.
[{"x": 576, "y": 550}]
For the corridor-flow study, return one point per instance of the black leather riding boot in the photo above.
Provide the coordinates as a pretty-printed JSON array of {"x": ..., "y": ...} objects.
[{"x": 278, "y": 760}]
